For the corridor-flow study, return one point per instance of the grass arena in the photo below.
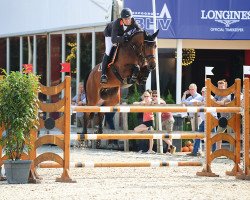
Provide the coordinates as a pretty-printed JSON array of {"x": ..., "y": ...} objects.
[{"x": 105, "y": 174}]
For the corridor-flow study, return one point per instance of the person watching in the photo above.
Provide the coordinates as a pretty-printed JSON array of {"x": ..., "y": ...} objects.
[{"x": 79, "y": 100}]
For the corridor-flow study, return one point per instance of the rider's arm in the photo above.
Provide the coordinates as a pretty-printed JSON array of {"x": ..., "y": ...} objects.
[{"x": 114, "y": 34}]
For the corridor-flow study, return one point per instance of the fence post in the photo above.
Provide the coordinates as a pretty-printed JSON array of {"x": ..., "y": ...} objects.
[{"x": 125, "y": 128}]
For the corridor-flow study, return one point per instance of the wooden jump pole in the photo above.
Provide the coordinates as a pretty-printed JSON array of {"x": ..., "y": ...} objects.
[
  {"x": 155, "y": 108},
  {"x": 91, "y": 164},
  {"x": 137, "y": 136}
]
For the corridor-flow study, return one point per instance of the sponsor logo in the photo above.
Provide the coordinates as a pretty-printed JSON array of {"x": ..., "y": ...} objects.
[
  {"x": 146, "y": 19},
  {"x": 227, "y": 18}
]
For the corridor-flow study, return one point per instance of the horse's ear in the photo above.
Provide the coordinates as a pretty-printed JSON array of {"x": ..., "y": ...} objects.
[
  {"x": 155, "y": 34},
  {"x": 145, "y": 34}
]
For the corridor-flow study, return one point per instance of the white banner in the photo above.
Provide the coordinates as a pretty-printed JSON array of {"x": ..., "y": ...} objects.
[{"x": 208, "y": 71}]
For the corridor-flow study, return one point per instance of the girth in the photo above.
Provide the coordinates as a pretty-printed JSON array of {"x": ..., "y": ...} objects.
[{"x": 118, "y": 76}]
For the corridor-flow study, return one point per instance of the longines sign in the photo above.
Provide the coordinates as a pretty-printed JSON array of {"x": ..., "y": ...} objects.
[{"x": 195, "y": 19}]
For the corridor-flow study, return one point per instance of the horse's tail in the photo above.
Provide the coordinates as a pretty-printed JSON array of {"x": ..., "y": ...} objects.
[{"x": 85, "y": 85}]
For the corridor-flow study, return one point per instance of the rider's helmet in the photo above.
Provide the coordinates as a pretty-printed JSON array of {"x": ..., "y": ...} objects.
[{"x": 126, "y": 13}]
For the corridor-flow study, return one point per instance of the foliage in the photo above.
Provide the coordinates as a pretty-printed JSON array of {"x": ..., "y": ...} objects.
[
  {"x": 169, "y": 98},
  {"x": 72, "y": 55},
  {"x": 133, "y": 117},
  {"x": 18, "y": 111}
]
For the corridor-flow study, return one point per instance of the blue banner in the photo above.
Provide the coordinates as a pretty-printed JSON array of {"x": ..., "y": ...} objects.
[{"x": 195, "y": 19}]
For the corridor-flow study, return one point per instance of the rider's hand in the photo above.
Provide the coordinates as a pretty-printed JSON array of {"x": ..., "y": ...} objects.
[{"x": 125, "y": 38}]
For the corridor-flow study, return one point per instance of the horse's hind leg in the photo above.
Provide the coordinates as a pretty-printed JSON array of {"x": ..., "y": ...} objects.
[
  {"x": 100, "y": 122},
  {"x": 85, "y": 123},
  {"x": 100, "y": 129}
]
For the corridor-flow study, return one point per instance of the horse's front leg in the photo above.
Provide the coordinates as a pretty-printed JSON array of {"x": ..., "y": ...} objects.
[
  {"x": 135, "y": 73},
  {"x": 145, "y": 76}
]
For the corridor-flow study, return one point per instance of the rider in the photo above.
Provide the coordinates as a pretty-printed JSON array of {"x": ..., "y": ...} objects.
[{"x": 114, "y": 34}]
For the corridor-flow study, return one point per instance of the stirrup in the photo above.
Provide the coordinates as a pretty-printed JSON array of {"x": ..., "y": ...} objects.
[{"x": 104, "y": 78}]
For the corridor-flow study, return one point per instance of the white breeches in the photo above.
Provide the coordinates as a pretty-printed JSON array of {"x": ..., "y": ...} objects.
[{"x": 108, "y": 45}]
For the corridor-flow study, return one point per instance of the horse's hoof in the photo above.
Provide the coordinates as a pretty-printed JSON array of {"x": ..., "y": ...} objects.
[{"x": 98, "y": 144}]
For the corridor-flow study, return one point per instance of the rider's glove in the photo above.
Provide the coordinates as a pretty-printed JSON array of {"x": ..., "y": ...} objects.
[{"x": 125, "y": 38}]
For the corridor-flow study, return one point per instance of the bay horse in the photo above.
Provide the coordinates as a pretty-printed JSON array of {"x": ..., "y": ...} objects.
[{"x": 134, "y": 59}]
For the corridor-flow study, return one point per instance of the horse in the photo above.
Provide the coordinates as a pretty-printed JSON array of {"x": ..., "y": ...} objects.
[{"x": 133, "y": 61}]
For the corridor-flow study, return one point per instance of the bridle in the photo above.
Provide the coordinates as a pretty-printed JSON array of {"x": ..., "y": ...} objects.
[
  {"x": 151, "y": 44},
  {"x": 140, "y": 51}
]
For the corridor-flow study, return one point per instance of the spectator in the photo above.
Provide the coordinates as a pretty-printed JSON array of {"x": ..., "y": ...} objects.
[
  {"x": 79, "y": 100},
  {"x": 222, "y": 100},
  {"x": 140, "y": 115},
  {"x": 148, "y": 119},
  {"x": 194, "y": 95},
  {"x": 197, "y": 142},
  {"x": 167, "y": 123},
  {"x": 191, "y": 101}
]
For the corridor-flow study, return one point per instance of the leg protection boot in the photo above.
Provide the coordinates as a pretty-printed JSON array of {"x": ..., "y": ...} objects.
[{"x": 133, "y": 79}]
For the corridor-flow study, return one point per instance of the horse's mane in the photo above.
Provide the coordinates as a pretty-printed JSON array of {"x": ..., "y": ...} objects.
[
  {"x": 134, "y": 33},
  {"x": 147, "y": 36}
]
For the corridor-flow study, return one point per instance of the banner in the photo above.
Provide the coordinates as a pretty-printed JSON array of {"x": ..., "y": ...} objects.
[
  {"x": 65, "y": 67},
  {"x": 246, "y": 70},
  {"x": 208, "y": 71},
  {"x": 195, "y": 19}
]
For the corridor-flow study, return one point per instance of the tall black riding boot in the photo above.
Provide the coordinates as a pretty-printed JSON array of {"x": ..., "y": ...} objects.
[{"x": 104, "y": 78}]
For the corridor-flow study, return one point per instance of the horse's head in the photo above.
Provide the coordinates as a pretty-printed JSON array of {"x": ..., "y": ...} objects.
[
  {"x": 149, "y": 49},
  {"x": 140, "y": 51}
]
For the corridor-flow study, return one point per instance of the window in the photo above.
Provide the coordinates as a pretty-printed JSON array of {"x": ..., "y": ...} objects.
[{"x": 2, "y": 54}]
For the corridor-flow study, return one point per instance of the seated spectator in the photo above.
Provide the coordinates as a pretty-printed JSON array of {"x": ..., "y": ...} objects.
[
  {"x": 140, "y": 115},
  {"x": 148, "y": 119}
]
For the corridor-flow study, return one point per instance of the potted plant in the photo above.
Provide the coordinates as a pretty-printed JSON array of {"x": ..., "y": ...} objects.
[{"x": 18, "y": 115}]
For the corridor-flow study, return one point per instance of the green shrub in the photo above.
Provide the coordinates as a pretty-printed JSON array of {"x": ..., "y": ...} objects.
[
  {"x": 169, "y": 98},
  {"x": 18, "y": 111}
]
